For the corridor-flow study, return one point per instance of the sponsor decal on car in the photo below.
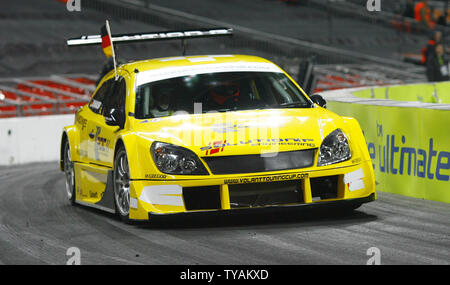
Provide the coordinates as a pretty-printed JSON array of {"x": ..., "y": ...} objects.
[
  {"x": 354, "y": 180},
  {"x": 263, "y": 179},
  {"x": 228, "y": 128},
  {"x": 81, "y": 120},
  {"x": 161, "y": 176},
  {"x": 93, "y": 194},
  {"x": 218, "y": 146},
  {"x": 101, "y": 144},
  {"x": 179, "y": 71}
]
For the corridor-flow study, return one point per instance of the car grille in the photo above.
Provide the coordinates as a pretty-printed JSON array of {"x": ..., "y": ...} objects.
[
  {"x": 265, "y": 194},
  {"x": 324, "y": 187},
  {"x": 202, "y": 198},
  {"x": 256, "y": 163}
]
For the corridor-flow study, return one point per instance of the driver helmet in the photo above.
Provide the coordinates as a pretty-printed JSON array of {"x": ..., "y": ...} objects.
[
  {"x": 224, "y": 92},
  {"x": 164, "y": 94}
]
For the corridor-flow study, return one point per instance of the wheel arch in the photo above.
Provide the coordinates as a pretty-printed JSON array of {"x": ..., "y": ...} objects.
[
  {"x": 119, "y": 144},
  {"x": 61, "y": 151},
  {"x": 129, "y": 143},
  {"x": 357, "y": 135},
  {"x": 69, "y": 134}
]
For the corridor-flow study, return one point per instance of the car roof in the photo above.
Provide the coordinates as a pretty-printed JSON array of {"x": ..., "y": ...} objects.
[{"x": 157, "y": 63}]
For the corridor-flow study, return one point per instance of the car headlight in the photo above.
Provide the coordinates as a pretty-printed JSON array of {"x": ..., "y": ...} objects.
[
  {"x": 172, "y": 159},
  {"x": 334, "y": 149}
]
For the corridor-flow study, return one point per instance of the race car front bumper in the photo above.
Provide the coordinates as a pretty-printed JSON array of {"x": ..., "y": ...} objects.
[
  {"x": 333, "y": 186},
  {"x": 338, "y": 204}
]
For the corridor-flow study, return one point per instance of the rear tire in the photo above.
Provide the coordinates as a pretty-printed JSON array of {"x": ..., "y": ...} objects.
[
  {"x": 121, "y": 184},
  {"x": 69, "y": 172}
]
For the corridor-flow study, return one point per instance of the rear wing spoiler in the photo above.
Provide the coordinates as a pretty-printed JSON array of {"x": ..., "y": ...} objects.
[{"x": 153, "y": 36}]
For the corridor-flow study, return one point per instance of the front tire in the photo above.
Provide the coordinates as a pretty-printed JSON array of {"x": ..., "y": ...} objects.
[
  {"x": 69, "y": 172},
  {"x": 122, "y": 184}
]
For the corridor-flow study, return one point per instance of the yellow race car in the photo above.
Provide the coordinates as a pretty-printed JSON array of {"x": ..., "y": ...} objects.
[{"x": 210, "y": 133}]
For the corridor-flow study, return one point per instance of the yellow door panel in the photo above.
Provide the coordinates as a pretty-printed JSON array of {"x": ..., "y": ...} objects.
[
  {"x": 101, "y": 138},
  {"x": 91, "y": 182}
]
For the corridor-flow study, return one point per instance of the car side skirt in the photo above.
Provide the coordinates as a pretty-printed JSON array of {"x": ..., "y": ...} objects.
[{"x": 94, "y": 187}]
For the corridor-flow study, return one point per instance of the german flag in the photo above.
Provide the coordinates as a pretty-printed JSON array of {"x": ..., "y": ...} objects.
[{"x": 106, "y": 42}]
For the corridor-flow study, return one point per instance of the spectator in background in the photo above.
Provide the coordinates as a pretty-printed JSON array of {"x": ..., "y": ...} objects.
[
  {"x": 422, "y": 14},
  {"x": 435, "y": 38},
  {"x": 437, "y": 65},
  {"x": 442, "y": 19},
  {"x": 409, "y": 9}
]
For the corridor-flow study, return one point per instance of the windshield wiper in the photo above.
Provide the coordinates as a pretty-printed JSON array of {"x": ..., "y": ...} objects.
[
  {"x": 294, "y": 104},
  {"x": 219, "y": 110},
  {"x": 235, "y": 109}
]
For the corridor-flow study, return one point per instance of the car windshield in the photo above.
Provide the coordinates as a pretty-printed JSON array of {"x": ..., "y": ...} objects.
[{"x": 221, "y": 92}]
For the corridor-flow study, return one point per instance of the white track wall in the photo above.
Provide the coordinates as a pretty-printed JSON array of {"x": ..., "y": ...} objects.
[{"x": 31, "y": 139}]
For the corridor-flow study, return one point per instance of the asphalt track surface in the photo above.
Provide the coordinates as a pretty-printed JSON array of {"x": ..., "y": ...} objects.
[{"x": 38, "y": 226}]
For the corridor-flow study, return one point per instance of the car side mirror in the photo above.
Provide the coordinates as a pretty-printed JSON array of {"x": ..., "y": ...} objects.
[
  {"x": 115, "y": 118},
  {"x": 318, "y": 99}
]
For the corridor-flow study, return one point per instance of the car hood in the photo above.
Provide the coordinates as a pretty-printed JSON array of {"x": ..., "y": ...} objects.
[{"x": 243, "y": 132}]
